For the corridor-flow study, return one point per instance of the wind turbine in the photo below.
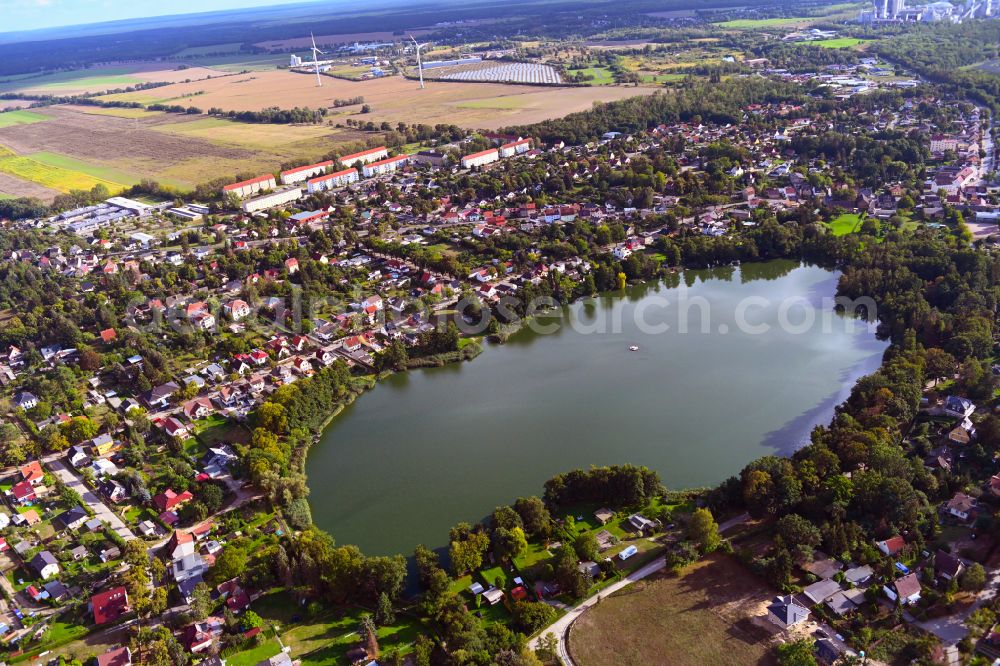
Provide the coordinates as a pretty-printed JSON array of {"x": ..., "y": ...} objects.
[
  {"x": 316, "y": 52},
  {"x": 420, "y": 66}
]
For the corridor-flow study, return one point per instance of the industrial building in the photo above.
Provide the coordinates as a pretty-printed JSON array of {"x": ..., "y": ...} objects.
[
  {"x": 304, "y": 173},
  {"x": 330, "y": 181},
  {"x": 481, "y": 158},
  {"x": 384, "y": 166},
  {"x": 515, "y": 148},
  {"x": 85, "y": 221},
  {"x": 365, "y": 156},
  {"x": 272, "y": 199},
  {"x": 248, "y": 188}
]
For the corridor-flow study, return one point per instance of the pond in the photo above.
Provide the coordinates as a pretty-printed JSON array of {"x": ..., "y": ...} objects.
[{"x": 751, "y": 360}]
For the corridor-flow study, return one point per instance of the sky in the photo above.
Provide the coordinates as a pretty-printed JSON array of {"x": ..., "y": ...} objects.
[{"x": 34, "y": 14}]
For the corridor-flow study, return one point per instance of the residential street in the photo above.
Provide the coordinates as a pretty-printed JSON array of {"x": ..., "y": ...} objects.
[{"x": 90, "y": 499}]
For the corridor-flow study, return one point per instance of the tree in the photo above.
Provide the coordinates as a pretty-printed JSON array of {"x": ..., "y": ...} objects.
[
  {"x": 508, "y": 544},
  {"x": 369, "y": 635},
  {"x": 703, "y": 530},
  {"x": 251, "y": 620},
  {"x": 230, "y": 563},
  {"x": 586, "y": 547},
  {"x": 531, "y": 616},
  {"x": 534, "y": 516},
  {"x": 974, "y": 578},
  {"x": 384, "y": 616},
  {"x": 797, "y": 653},
  {"x": 201, "y": 601}
]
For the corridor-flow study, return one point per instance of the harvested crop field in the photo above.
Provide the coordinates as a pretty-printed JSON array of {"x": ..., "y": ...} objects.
[
  {"x": 99, "y": 79},
  {"x": 395, "y": 99},
  {"x": 653, "y": 621},
  {"x": 77, "y": 149}
]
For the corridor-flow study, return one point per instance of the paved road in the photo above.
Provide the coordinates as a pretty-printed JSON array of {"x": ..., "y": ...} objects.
[{"x": 90, "y": 499}]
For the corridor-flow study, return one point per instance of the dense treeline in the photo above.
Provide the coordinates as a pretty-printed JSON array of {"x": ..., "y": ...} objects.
[
  {"x": 700, "y": 101},
  {"x": 616, "y": 486},
  {"x": 940, "y": 51}
]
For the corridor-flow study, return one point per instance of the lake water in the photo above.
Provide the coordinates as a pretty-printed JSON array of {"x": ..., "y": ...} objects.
[{"x": 430, "y": 448}]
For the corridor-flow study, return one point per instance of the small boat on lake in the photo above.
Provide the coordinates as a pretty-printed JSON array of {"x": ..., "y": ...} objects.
[{"x": 634, "y": 348}]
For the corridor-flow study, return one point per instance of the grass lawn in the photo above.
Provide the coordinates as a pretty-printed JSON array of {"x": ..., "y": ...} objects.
[
  {"x": 251, "y": 657},
  {"x": 11, "y": 118},
  {"x": 506, "y": 102},
  {"x": 602, "y": 75},
  {"x": 840, "y": 43},
  {"x": 658, "y": 616},
  {"x": 489, "y": 577},
  {"x": 844, "y": 224},
  {"x": 217, "y": 429}
]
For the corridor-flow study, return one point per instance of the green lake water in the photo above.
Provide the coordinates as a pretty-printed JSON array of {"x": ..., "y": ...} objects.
[{"x": 430, "y": 448}]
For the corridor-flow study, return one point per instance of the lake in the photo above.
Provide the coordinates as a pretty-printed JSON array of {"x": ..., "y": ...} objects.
[{"x": 430, "y": 448}]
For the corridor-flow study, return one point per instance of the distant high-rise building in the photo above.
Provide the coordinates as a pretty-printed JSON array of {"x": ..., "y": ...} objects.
[
  {"x": 896, "y": 8},
  {"x": 295, "y": 61},
  {"x": 881, "y": 9},
  {"x": 987, "y": 8}
]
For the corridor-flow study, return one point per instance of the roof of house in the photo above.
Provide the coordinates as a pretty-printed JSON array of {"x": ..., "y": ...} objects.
[
  {"x": 787, "y": 610},
  {"x": 109, "y": 605},
  {"x": 893, "y": 544},
  {"x": 116, "y": 657},
  {"x": 858, "y": 574},
  {"x": 308, "y": 167},
  {"x": 353, "y": 156},
  {"x": 822, "y": 590},
  {"x": 947, "y": 564},
  {"x": 907, "y": 586}
]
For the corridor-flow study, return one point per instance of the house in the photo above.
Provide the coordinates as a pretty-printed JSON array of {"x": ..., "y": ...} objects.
[
  {"x": 641, "y": 523},
  {"x": 102, "y": 444},
  {"x": 493, "y": 596},
  {"x": 891, "y": 546},
  {"x": 168, "y": 499},
  {"x": 603, "y": 515},
  {"x": 110, "y": 554},
  {"x": 109, "y": 605},
  {"x": 71, "y": 519},
  {"x": 198, "y": 408},
  {"x": 839, "y": 604},
  {"x": 827, "y": 652},
  {"x": 188, "y": 571},
  {"x": 821, "y": 591},
  {"x": 785, "y": 612},
  {"x": 79, "y": 553},
  {"x": 199, "y": 636},
  {"x": 905, "y": 590},
  {"x": 958, "y": 407},
  {"x": 23, "y": 493},
  {"x": 236, "y": 309},
  {"x": 113, "y": 490},
  {"x": 77, "y": 456},
  {"x": 961, "y": 506},
  {"x": 947, "y": 566},
  {"x": 180, "y": 544},
  {"x": 158, "y": 397},
  {"x": 25, "y": 400},
  {"x": 31, "y": 472},
  {"x": 175, "y": 428},
  {"x": 116, "y": 657},
  {"x": 236, "y": 597},
  {"x": 858, "y": 575},
  {"x": 45, "y": 564},
  {"x": 108, "y": 336},
  {"x": 57, "y": 591}
]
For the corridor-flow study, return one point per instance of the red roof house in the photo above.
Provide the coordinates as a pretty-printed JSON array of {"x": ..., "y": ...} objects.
[{"x": 109, "y": 605}]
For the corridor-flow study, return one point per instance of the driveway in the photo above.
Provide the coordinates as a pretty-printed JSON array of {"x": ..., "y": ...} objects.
[{"x": 91, "y": 500}]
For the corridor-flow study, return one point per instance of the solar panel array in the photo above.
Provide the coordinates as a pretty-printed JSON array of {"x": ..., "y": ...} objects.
[{"x": 512, "y": 72}]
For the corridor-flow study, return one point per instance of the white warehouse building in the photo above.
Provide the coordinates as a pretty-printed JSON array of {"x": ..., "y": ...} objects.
[
  {"x": 515, "y": 148},
  {"x": 365, "y": 156},
  {"x": 332, "y": 180},
  {"x": 384, "y": 166},
  {"x": 304, "y": 173},
  {"x": 272, "y": 199},
  {"x": 481, "y": 158}
]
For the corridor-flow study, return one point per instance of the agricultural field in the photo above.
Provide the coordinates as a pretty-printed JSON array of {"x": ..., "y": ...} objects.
[
  {"x": 98, "y": 79},
  {"x": 600, "y": 76},
  {"x": 11, "y": 118},
  {"x": 111, "y": 111},
  {"x": 713, "y": 600},
  {"x": 751, "y": 24},
  {"x": 75, "y": 148},
  {"x": 393, "y": 98},
  {"x": 210, "y": 49}
]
